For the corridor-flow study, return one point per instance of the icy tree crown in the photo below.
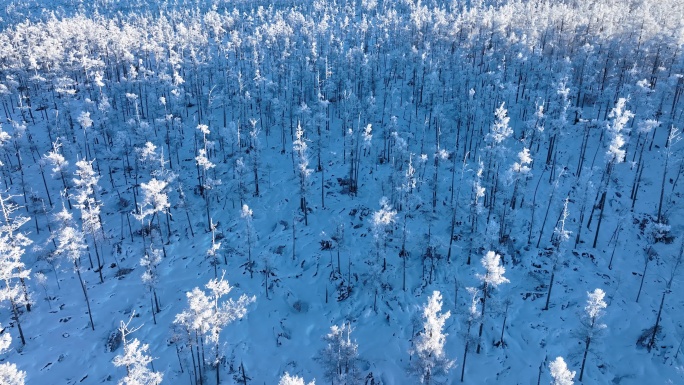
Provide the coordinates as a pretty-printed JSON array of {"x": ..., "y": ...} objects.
[
  {"x": 494, "y": 275},
  {"x": 595, "y": 303},
  {"x": 560, "y": 372}
]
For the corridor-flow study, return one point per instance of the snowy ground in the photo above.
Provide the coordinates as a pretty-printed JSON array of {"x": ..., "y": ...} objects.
[{"x": 283, "y": 332}]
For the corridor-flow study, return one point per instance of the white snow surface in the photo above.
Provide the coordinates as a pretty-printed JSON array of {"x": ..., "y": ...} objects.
[{"x": 283, "y": 329}]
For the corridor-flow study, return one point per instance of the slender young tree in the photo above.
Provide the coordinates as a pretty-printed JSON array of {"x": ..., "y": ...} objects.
[
  {"x": 340, "y": 356},
  {"x": 150, "y": 277},
  {"x": 674, "y": 270},
  {"x": 519, "y": 171},
  {"x": 476, "y": 209},
  {"x": 255, "y": 152},
  {"x": 155, "y": 202},
  {"x": 499, "y": 132},
  {"x": 491, "y": 279},
  {"x": 246, "y": 214},
  {"x": 59, "y": 166},
  {"x": 70, "y": 244},
  {"x": 560, "y": 237},
  {"x": 203, "y": 166},
  {"x": 382, "y": 222},
  {"x": 594, "y": 310},
  {"x": 13, "y": 272},
  {"x": 213, "y": 252},
  {"x": 673, "y": 139},
  {"x": 300, "y": 147},
  {"x": 85, "y": 186},
  {"x": 431, "y": 362},
  {"x": 473, "y": 315},
  {"x": 614, "y": 155}
]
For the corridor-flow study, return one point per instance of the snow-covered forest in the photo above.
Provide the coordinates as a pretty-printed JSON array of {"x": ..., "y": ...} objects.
[{"x": 341, "y": 192}]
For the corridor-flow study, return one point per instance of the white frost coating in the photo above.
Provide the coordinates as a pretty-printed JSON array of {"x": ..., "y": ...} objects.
[
  {"x": 494, "y": 275},
  {"x": 560, "y": 373},
  {"x": 595, "y": 304}
]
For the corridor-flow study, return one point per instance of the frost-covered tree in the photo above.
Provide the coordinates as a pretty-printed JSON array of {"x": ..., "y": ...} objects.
[
  {"x": 240, "y": 170},
  {"x": 616, "y": 130},
  {"x": 150, "y": 277},
  {"x": 673, "y": 138},
  {"x": 560, "y": 237},
  {"x": 206, "y": 183},
  {"x": 42, "y": 280},
  {"x": 59, "y": 165},
  {"x": 519, "y": 171},
  {"x": 491, "y": 279},
  {"x": 496, "y": 150},
  {"x": 155, "y": 201},
  {"x": 255, "y": 151},
  {"x": 654, "y": 232},
  {"x": 136, "y": 359},
  {"x": 71, "y": 244},
  {"x": 473, "y": 315},
  {"x": 9, "y": 374},
  {"x": 288, "y": 379},
  {"x": 213, "y": 252},
  {"x": 431, "y": 361},
  {"x": 594, "y": 310},
  {"x": 615, "y": 154},
  {"x": 246, "y": 214},
  {"x": 476, "y": 209},
  {"x": 208, "y": 314},
  {"x": 407, "y": 201},
  {"x": 560, "y": 373},
  {"x": 340, "y": 356},
  {"x": 300, "y": 147},
  {"x": 86, "y": 123},
  {"x": 85, "y": 185},
  {"x": 13, "y": 272},
  {"x": 382, "y": 222}
]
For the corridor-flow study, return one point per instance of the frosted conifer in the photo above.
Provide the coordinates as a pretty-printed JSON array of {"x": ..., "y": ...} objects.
[
  {"x": 560, "y": 373},
  {"x": 340, "y": 356},
  {"x": 429, "y": 346}
]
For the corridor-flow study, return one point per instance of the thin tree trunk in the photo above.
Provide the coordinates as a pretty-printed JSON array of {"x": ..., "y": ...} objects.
[
  {"x": 548, "y": 293},
  {"x": 85, "y": 294},
  {"x": 503, "y": 327},
  {"x": 465, "y": 351},
  {"x": 482, "y": 316},
  {"x": 584, "y": 359},
  {"x": 15, "y": 311},
  {"x": 154, "y": 317},
  {"x": 651, "y": 342},
  {"x": 643, "y": 275},
  {"x": 600, "y": 220}
]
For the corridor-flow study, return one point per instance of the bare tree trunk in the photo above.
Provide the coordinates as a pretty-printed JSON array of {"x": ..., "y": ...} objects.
[
  {"x": 482, "y": 317},
  {"x": 584, "y": 358},
  {"x": 15, "y": 312},
  {"x": 85, "y": 293},
  {"x": 548, "y": 293},
  {"x": 643, "y": 274},
  {"x": 651, "y": 342},
  {"x": 600, "y": 219},
  {"x": 465, "y": 350}
]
